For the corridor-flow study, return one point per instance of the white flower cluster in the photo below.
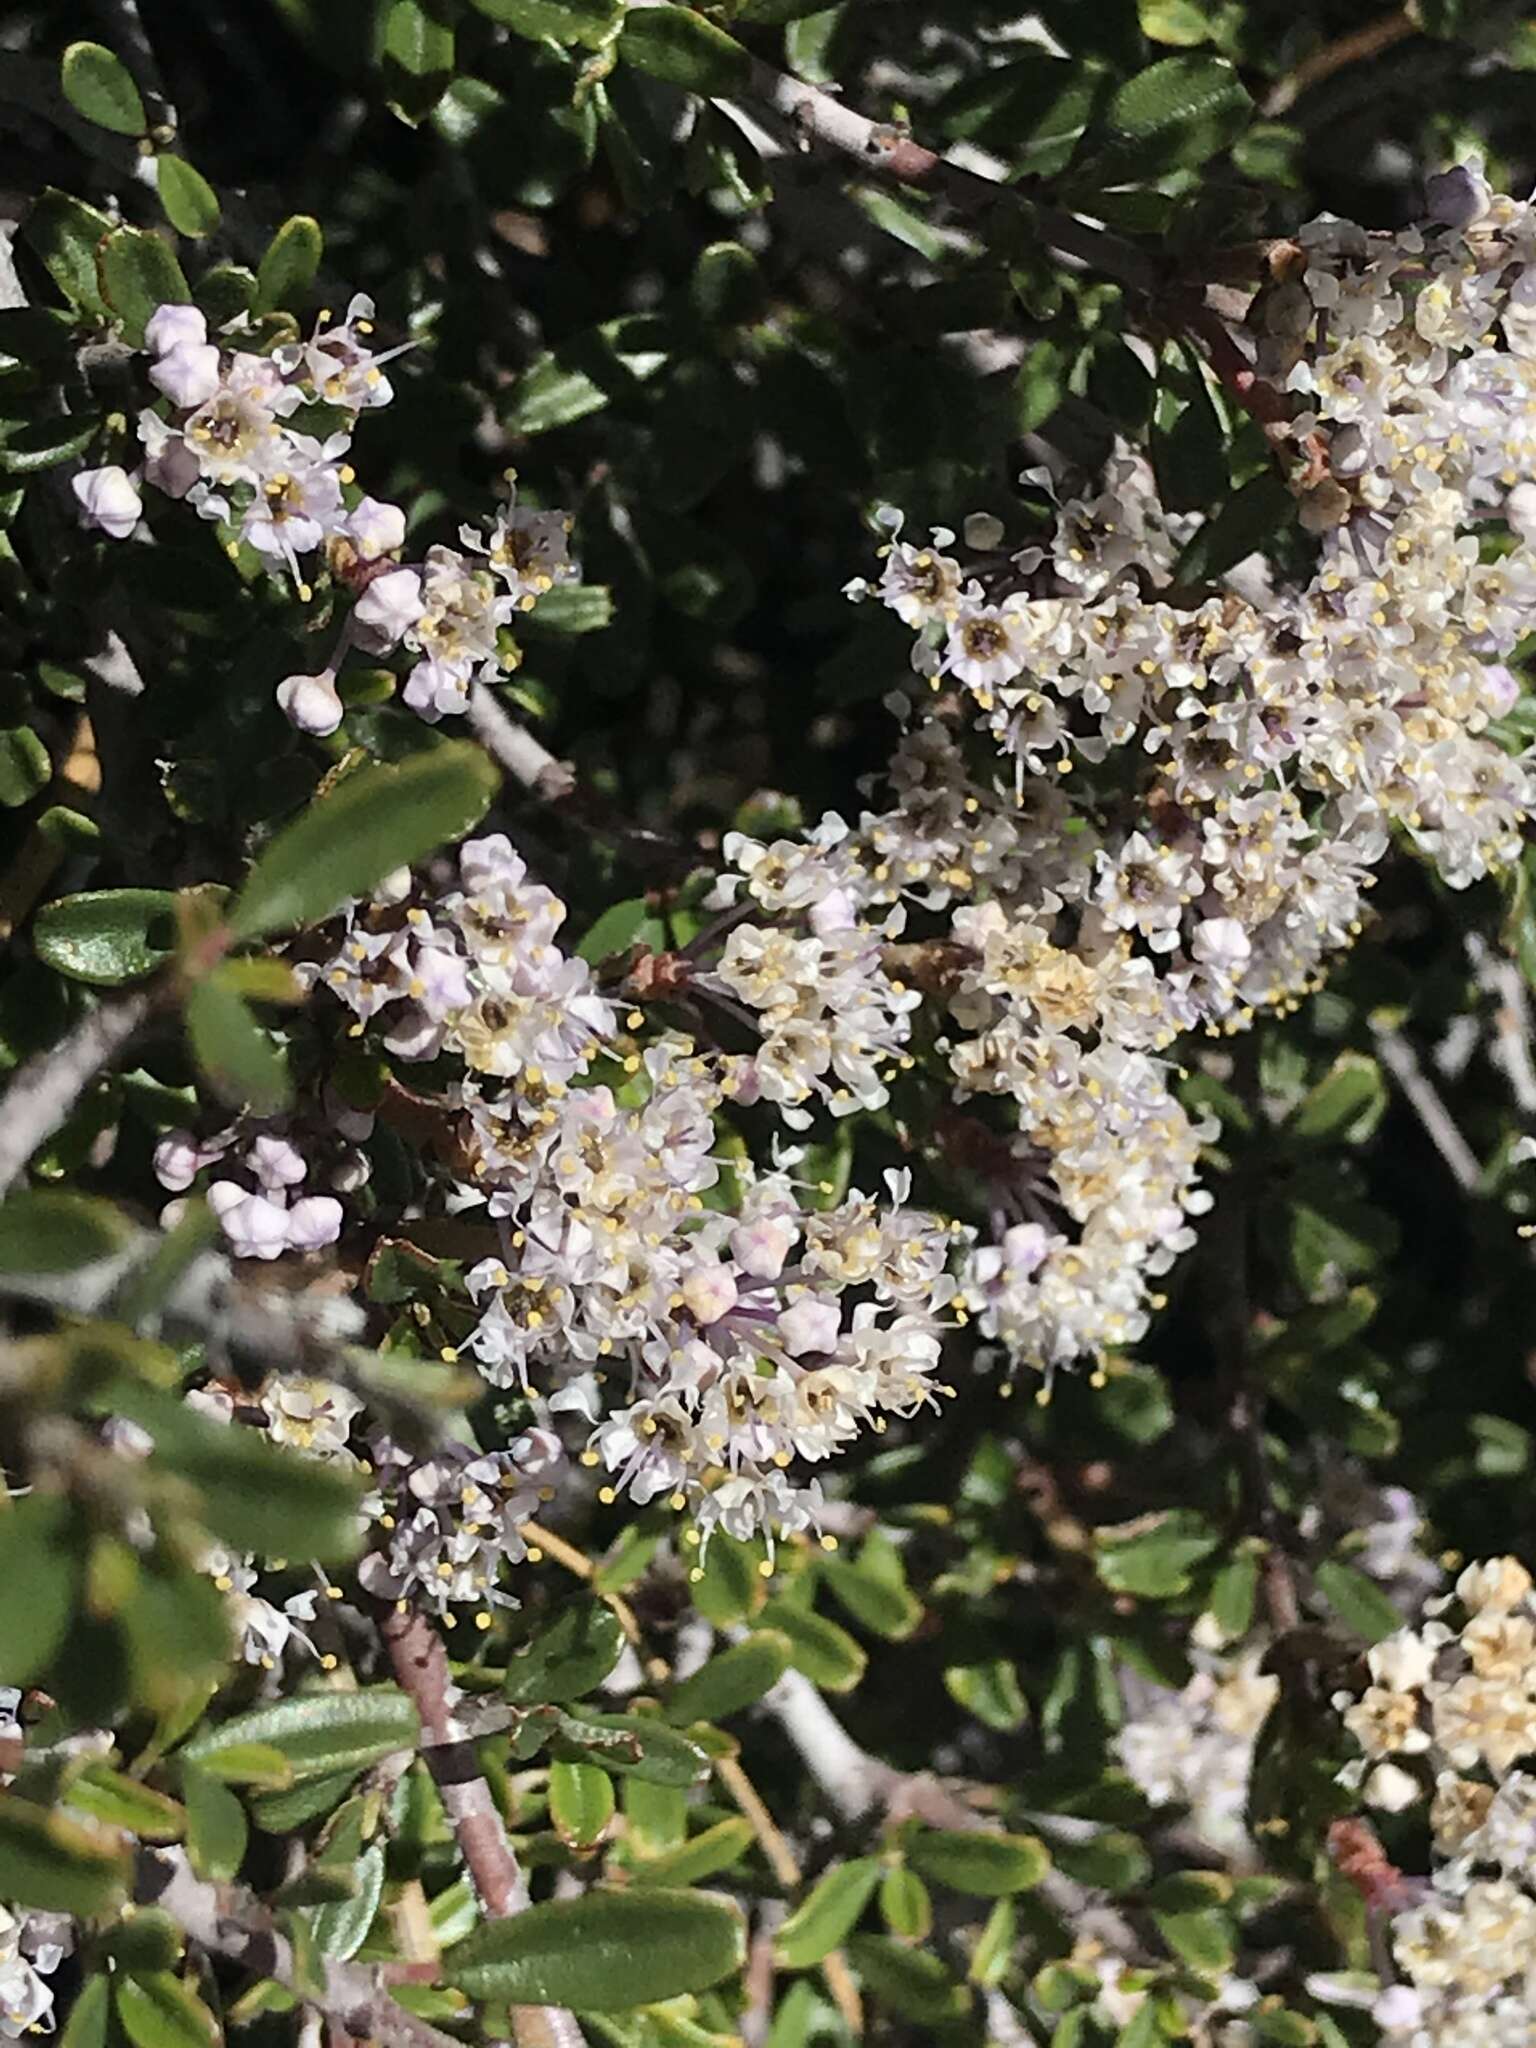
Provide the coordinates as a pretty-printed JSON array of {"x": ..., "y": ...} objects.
[
  {"x": 1195, "y": 1746},
  {"x": 258, "y": 442},
  {"x": 749, "y": 1336},
  {"x": 263, "y": 1191},
  {"x": 1449, "y": 1717},
  {"x": 1133, "y": 815}
]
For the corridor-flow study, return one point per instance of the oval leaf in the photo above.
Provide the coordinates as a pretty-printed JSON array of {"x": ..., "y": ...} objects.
[
  {"x": 682, "y": 47},
  {"x": 107, "y": 936},
  {"x": 287, "y": 270},
  {"x": 823, "y": 1921},
  {"x": 732, "y": 1680},
  {"x": 605, "y": 1952},
  {"x": 572, "y": 1655},
  {"x": 374, "y": 821},
  {"x": 986, "y": 1866},
  {"x": 581, "y": 1803},
  {"x": 52, "y": 1863},
  {"x": 239, "y": 1058},
  {"x": 99, "y": 86},
  {"x": 190, "y": 202},
  {"x": 322, "y": 1734}
]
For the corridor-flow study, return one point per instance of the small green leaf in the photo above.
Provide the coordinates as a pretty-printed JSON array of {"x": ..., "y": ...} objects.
[
  {"x": 99, "y": 85},
  {"x": 190, "y": 202},
  {"x": 819, "y": 1649},
  {"x": 1174, "y": 115},
  {"x": 1357, "y": 1601},
  {"x": 581, "y": 1803},
  {"x": 989, "y": 1690},
  {"x": 905, "y": 1906},
  {"x": 414, "y": 50},
  {"x": 1112, "y": 1860},
  {"x": 24, "y": 763},
  {"x": 1203, "y": 1939},
  {"x": 287, "y": 270},
  {"x": 40, "y": 1546},
  {"x": 873, "y": 1588},
  {"x": 139, "y": 275},
  {"x": 86, "y": 2026},
  {"x": 911, "y": 1981},
  {"x": 1154, "y": 1563},
  {"x": 67, "y": 234},
  {"x": 637, "y": 1743},
  {"x": 1246, "y": 523},
  {"x": 682, "y": 47},
  {"x": 621, "y": 926},
  {"x": 1179, "y": 22},
  {"x": 320, "y": 1734},
  {"x": 107, "y": 936},
  {"x": 216, "y": 1826},
  {"x": 122, "y": 1802},
  {"x": 374, "y": 821},
  {"x": 568, "y": 21},
  {"x": 604, "y": 1952},
  {"x": 159, "y": 2011},
  {"x": 340, "y": 1929},
  {"x": 46, "y": 1230},
  {"x": 731, "y": 1680},
  {"x": 1232, "y": 1595},
  {"x": 703, "y": 1855},
  {"x": 238, "y": 1057},
  {"x": 247, "y": 1763},
  {"x": 54, "y": 1864},
  {"x": 40, "y": 444},
  {"x": 571, "y": 1655},
  {"x": 985, "y": 1865},
  {"x": 823, "y": 1920},
  {"x": 1346, "y": 1104}
]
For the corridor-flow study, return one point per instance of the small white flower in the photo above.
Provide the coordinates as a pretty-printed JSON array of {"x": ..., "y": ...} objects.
[
  {"x": 108, "y": 501},
  {"x": 313, "y": 1221},
  {"x": 375, "y": 528},
  {"x": 811, "y": 1324}
]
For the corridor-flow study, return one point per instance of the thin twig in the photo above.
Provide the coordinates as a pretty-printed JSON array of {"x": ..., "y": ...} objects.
[
  {"x": 1355, "y": 48},
  {"x": 817, "y": 118},
  {"x": 47, "y": 1088},
  {"x": 526, "y": 759},
  {"x": 421, "y": 1665},
  {"x": 226, "y": 1921},
  {"x": 1405, "y": 1067}
]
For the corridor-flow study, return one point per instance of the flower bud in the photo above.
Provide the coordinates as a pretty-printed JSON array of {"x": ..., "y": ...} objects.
[
  {"x": 276, "y": 1163},
  {"x": 108, "y": 501},
  {"x": 178, "y": 1158},
  {"x": 314, "y": 1220},
  {"x": 710, "y": 1292},
  {"x": 171, "y": 327},
  {"x": 310, "y": 704},
  {"x": 810, "y": 1324},
  {"x": 1458, "y": 197},
  {"x": 760, "y": 1248},
  {"x": 375, "y": 528},
  {"x": 187, "y": 374},
  {"x": 255, "y": 1227}
]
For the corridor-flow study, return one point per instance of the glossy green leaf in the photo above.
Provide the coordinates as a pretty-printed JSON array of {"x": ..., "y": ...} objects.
[
  {"x": 912, "y": 1982},
  {"x": 139, "y": 274},
  {"x": 988, "y": 1866},
  {"x": 1112, "y": 1860},
  {"x": 376, "y": 820},
  {"x": 238, "y": 1058},
  {"x": 630, "y": 1742},
  {"x": 119, "y": 1801},
  {"x": 89, "y": 2015},
  {"x": 990, "y": 1690},
  {"x": 1154, "y": 1563},
  {"x": 873, "y": 1588},
  {"x": 819, "y": 1649},
  {"x": 683, "y": 48},
  {"x": 1177, "y": 113},
  {"x": 320, "y": 1734},
  {"x": 100, "y": 86},
  {"x": 158, "y": 2011},
  {"x": 107, "y": 936},
  {"x": 701, "y": 1856},
  {"x": 1203, "y": 1939},
  {"x": 571, "y": 1655},
  {"x": 414, "y": 47},
  {"x": 823, "y": 1919},
  {"x": 581, "y": 1802},
  {"x": 339, "y": 1930},
  {"x": 1346, "y": 1105},
  {"x": 56, "y": 1864},
  {"x": 905, "y": 1906},
  {"x": 286, "y": 273},
  {"x": 568, "y": 21},
  {"x": 256, "y": 1764},
  {"x": 1178, "y": 22},
  {"x": 732, "y": 1679},
  {"x": 190, "y": 202},
  {"x": 216, "y": 1825},
  {"x": 1357, "y": 1601},
  {"x": 24, "y": 763},
  {"x": 606, "y": 1951},
  {"x": 67, "y": 235}
]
